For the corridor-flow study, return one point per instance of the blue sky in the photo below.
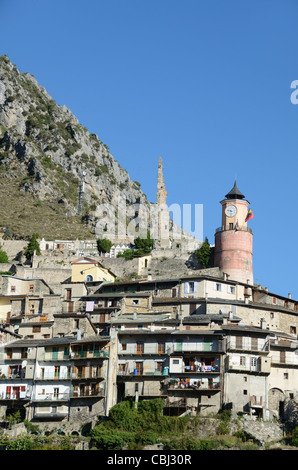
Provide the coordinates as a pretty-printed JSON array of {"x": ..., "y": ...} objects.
[{"x": 204, "y": 84}]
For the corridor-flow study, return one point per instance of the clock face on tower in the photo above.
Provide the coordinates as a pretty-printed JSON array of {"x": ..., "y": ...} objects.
[{"x": 231, "y": 210}]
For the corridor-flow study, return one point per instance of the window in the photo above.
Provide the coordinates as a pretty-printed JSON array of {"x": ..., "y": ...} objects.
[
  {"x": 191, "y": 287},
  {"x": 253, "y": 361},
  {"x": 282, "y": 357},
  {"x": 244, "y": 392},
  {"x": 36, "y": 329},
  {"x": 159, "y": 366},
  {"x": 231, "y": 226},
  {"x": 293, "y": 330},
  {"x": 12, "y": 288},
  {"x": 274, "y": 300},
  {"x": 67, "y": 294},
  {"x": 57, "y": 372},
  {"x": 242, "y": 360},
  {"x": 254, "y": 344},
  {"x": 217, "y": 287},
  {"x": 286, "y": 375},
  {"x": 139, "y": 368},
  {"x": 140, "y": 347},
  {"x": 31, "y": 288},
  {"x": 231, "y": 290},
  {"x": 89, "y": 278},
  {"x": 161, "y": 347},
  {"x": 135, "y": 301},
  {"x": 124, "y": 346},
  {"x": 192, "y": 309}
]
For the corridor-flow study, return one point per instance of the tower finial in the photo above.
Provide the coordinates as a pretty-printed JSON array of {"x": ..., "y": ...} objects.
[{"x": 162, "y": 193}]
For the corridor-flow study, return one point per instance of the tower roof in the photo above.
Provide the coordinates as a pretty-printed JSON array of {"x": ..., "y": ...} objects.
[{"x": 235, "y": 193}]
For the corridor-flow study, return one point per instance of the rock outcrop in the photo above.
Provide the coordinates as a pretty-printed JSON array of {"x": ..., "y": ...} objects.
[{"x": 45, "y": 153}]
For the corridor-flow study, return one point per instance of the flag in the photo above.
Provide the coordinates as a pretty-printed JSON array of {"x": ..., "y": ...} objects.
[{"x": 249, "y": 215}]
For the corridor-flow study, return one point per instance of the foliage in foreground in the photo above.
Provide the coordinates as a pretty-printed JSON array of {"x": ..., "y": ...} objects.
[
  {"x": 28, "y": 442},
  {"x": 136, "y": 427}
]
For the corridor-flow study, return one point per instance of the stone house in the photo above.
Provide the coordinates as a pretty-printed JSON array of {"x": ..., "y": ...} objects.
[
  {"x": 90, "y": 270},
  {"x": 19, "y": 296},
  {"x": 56, "y": 379}
]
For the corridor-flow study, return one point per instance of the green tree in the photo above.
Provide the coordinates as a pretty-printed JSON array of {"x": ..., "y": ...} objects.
[
  {"x": 205, "y": 254},
  {"x": 104, "y": 245},
  {"x": 144, "y": 245},
  {"x": 32, "y": 246},
  {"x": 3, "y": 256},
  {"x": 7, "y": 234}
]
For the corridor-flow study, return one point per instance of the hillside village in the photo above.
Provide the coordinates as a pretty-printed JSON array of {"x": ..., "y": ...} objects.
[{"x": 83, "y": 330}]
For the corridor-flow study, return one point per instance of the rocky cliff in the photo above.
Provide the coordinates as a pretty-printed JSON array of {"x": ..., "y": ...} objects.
[{"x": 44, "y": 155}]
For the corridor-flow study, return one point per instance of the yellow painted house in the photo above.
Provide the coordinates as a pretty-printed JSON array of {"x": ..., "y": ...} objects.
[{"x": 90, "y": 270}]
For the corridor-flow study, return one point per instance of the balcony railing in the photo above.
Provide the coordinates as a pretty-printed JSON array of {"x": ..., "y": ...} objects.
[
  {"x": 232, "y": 345},
  {"x": 61, "y": 356},
  {"x": 189, "y": 388},
  {"x": 196, "y": 370},
  {"x": 89, "y": 355},
  {"x": 201, "y": 347},
  {"x": 140, "y": 372},
  {"x": 87, "y": 393},
  {"x": 239, "y": 228},
  {"x": 51, "y": 396}
]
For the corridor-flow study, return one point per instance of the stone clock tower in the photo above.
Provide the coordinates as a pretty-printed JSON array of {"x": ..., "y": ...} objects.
[{"x": 234, "y": 240}]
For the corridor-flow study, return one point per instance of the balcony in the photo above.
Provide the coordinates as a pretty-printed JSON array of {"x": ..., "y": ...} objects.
[
  {"x": 62, "y": 356},
  {"x": 15, "y": 395},
  {"x": 87, "y": 393},
  {"x": 198, "y": 346},
  {"x": 238, "y": 228},
  {"x": 181, "y": 386},
  {"x": 147, "y": 351},
  {"x": 90, "y": 355},
  {"x": 245, "y": 344},
  {"x": 248, "y": 364},
  {"x": 196, "y": 370},
  {"x": 37, "y": 397},
  {"x": 51, "y": 415},
  {"x": 138, "y": 372}
]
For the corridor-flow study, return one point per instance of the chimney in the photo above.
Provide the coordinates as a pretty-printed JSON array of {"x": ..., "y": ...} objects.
[{"x": 289, "y": 295}]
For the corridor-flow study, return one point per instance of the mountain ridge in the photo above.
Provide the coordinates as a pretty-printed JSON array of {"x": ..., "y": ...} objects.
[{"x": 44, "y": 151}]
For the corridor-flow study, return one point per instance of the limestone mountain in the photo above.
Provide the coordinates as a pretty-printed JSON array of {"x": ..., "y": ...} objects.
[{"x": 44, "y": 153}]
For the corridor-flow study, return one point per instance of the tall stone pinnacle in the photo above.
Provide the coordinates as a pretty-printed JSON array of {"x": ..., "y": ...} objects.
[{"x": 162, "y": 193}]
